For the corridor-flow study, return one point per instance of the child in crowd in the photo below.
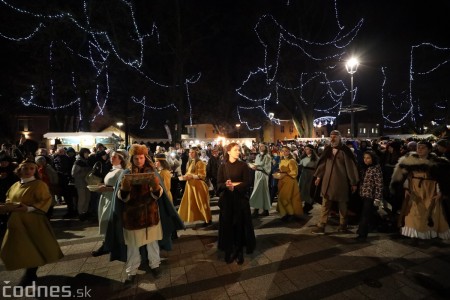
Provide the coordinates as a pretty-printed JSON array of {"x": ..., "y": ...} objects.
[{"x": 371, "y": 191}]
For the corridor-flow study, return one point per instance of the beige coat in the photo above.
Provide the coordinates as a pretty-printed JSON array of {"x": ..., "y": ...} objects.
[{"x": 337, "y": 179}]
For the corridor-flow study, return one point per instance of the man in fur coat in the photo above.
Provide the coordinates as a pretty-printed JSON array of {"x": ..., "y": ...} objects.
[
  {"x": 133, "y": 225},
  {"x": 338, "y": 172},
  {"x": 425, "y": 179}
]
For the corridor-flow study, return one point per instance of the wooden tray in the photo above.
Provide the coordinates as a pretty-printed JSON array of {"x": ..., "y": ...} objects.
[{"x": 140, "y": 178}]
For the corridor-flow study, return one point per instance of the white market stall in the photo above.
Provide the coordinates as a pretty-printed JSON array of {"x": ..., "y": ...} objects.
[{"x": 78, "y": 140}]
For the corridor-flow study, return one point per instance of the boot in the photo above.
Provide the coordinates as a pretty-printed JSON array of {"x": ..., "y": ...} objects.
[
  {"x": 240, "y": 257},
  {"x": 265, "y": 213},
  {"x": 29, "y": 277},
  {"x": 255, "y": 213},
  {"x": 307, "y": 207},
  {"x": 228, "y": 258},
  {"x": 100, "y": 251}
]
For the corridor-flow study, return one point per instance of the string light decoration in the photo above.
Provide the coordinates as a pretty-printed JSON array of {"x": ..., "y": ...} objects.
[
  {"x": 24, "y": 38},
  {"x": 142, "y": 102},
  {"x": 254, "y": 110},
  {"x": 269, "y": 82},
  {"x": 324, "y": 121},
  {"x": 99, "y": 52},
  {"x": 398, "y": 110},
  {"x": 442, "y": 107}
]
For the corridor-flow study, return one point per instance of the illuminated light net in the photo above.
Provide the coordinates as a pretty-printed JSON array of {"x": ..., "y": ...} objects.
[
  {"x": 405, "y": 107},
  {"x": 270, "y": 83},
  {"x": 98, "y": 52}
]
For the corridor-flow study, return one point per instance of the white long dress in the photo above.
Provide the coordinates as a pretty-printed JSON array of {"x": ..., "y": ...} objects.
[
  {"x": 104, "y": 204},
  {"x": 260, "y": 197}
]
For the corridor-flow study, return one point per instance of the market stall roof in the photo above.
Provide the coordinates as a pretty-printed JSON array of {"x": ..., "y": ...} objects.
[
  {"x": 54, "y": 135},
  {"x": 413, "y": 136}
]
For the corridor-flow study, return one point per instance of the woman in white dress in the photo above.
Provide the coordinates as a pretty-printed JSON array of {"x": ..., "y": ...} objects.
[
  {"x": 119, "y": 161},
  {"x": 260, "y": 198}
]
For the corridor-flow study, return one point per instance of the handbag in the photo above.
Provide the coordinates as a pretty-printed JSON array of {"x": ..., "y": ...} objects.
[{"x": 91, "y": 178}]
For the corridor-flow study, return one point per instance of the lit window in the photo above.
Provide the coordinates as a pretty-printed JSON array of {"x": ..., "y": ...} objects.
[{"x": 348, "y": 131}]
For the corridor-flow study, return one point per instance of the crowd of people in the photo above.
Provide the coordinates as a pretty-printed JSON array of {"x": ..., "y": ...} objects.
[{"x": 143, "y": 195}]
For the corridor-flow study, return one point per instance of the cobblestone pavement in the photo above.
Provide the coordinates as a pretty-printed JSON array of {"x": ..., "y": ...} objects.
[{"x": 289, "y": 263}]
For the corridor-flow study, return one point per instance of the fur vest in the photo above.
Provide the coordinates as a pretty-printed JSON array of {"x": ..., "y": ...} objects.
[
  {"x": 141, "y": 210},
  {"x": 437, "y": 167}
]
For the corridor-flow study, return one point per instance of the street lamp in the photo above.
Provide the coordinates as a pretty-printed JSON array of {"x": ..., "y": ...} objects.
[
  {"x": 351, "y": 66},
  {"x": 120, "y": 125},
  {"x": 238, "y": 126}
]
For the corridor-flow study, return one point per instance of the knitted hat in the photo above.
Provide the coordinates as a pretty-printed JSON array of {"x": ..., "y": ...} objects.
[
  {"x": 70, "y": 149},
  {"x": 335, "y": 132},
  {"x": 137, "y": 149}
]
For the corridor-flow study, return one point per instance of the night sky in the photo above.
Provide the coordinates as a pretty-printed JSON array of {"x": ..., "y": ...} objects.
[{"x": 219, "y": 42}]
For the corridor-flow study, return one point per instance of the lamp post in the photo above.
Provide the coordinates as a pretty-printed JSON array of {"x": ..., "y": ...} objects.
[
  {"x": 238, "y": 126},
  {"x": 351, "y": 66},
  {"x": 120, "y": 125}
]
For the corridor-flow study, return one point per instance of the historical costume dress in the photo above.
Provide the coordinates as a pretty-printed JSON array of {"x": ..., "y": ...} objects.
[
  {"x": 194, "y": 205},
  {"x": 167, "y": 177},
  {"x": 127, "y": 228},
  {"x": 289, "y": 201},
  {"x": 105, "y": 202},
  {"x": 235, "y": 220},
  {"x": 422, "y": 215},
  {"x": 29, "y": 241},
  {"x": 308, "y": 167},
  {"x": 260, "y": 198}
]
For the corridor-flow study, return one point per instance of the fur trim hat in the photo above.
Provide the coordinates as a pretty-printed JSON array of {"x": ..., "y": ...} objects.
[{"x": 137, "y": 149}]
